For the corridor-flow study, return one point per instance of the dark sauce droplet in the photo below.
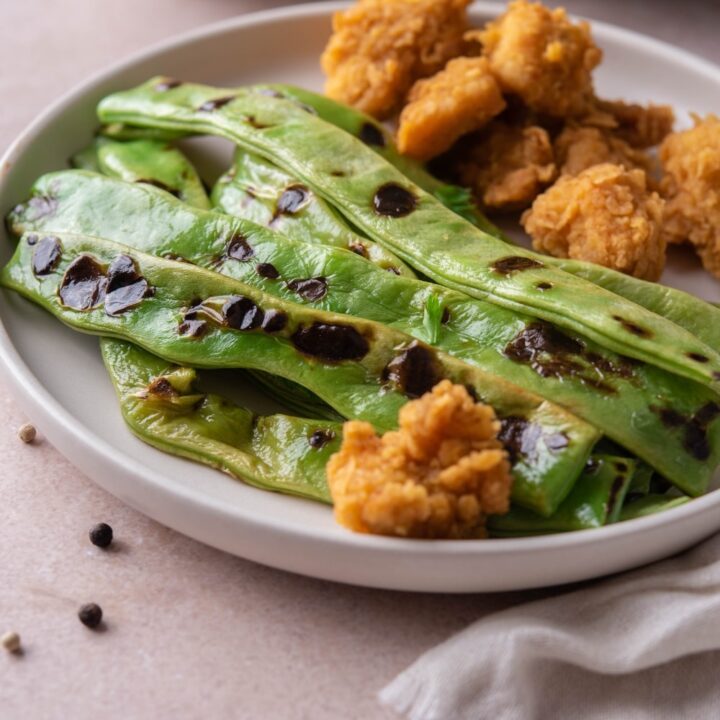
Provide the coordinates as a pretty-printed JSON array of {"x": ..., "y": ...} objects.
[
  {"x": 414, "y": 371},
  {"x": 633, "y": 328},
  {"x": 267, "y": 270},
  {"x": 697, "y": 357},
  {"x": 83, "y": 285},
  {"x": 292, "y": 199},
  {"x": 393, "y": 200},
  {"x": 126, "y": 288},
  {"x": 241, "y": 313},
  {"x": 333, "y": 343},
  {"x": 311, "y": 289},
  {"x": 274, "y": 321},
  {"x": 544, "y": 286},
  {"x": 211, "y": 105},
  {"x": 239, "y": 249},
  {"x": 320, "y": 438},
  {"x": 160, "y": 185},
  {"x": 371, "y": 135},
  {"x": 167, "y": 84},
  {"x": 515, "y": 263},
  {"x": 46, "y": 255}
]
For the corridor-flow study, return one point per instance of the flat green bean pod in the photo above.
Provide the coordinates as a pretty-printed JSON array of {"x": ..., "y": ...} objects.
[
  {"x": 596, "y": 500},
  {"x": 162, "y": 406},
  {"x": 650, "y": 505},
  {"x": 671, "y": 423},
  {"x": 688, "y": 311},
  {"x": 195, "y": 317}
]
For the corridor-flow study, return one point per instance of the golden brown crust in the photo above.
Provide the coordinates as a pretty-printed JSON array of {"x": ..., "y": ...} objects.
[
  {"x": 603, "y": 215},
  {"x": 506, "y": 166},
  {"x": 691, "y": 187},
  {"x": 438, "y": 476},
  {"x": 462, "y": 97},
  {"x": 541, "y": 56},
  {"x": 578, "y": 148},
  {"x": 641, "y": 126},
  {"x": 379, "y": 48}
]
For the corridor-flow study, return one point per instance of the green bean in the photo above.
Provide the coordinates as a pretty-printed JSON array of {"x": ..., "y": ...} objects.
[
  {"x": 162, "y": 407},
  {"x": 596, "y": 500},
  {"x": 651, "y": 504},
  {"x": 664, "y": 419},
  {"x": 380, "y": 201},
  {"x": 687, "y": 311},
  {"x": 364, "y": 370}
]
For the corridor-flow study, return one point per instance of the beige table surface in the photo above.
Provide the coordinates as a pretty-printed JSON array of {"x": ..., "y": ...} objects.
[{"x": 191, "y": 632}]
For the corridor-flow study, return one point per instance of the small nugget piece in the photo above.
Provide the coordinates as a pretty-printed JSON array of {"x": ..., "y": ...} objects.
[
  {"x": 604, "y": 215},
  {"x": 691, "y": 186},
  {"x": 379, "y": 48},
  {"x": 641, "y": 126},
  {"x": 507, "y": 166},
  {"x": 578, "y": 148},
  {"x": 538, "y": 54},
  {"x": 438, "y": 476},
  {"x": 459, "y": 99}
]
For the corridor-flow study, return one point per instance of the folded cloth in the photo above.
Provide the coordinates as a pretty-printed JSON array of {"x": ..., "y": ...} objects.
[{"x": 608, "y": 650}]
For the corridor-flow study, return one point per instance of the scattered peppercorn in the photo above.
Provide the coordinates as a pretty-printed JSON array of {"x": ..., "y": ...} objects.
[
  {"x": 90, "y": 615},
  {"x": 11, "y": 642},
  {"x": 27, "y": 433},
  {"x": 101, "y": 535}
]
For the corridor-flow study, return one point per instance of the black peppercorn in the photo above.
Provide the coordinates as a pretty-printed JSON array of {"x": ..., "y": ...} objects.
[
  {"x": 90, "y": 615},
  {"x": 101, "y": 535}
]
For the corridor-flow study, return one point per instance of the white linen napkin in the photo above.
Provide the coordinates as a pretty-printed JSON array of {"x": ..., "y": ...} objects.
[{"x": 609, "y": 650}]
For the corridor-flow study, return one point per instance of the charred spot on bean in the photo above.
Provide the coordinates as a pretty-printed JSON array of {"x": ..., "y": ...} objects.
[
  {"x": 320, "y": 438},
  {"x": 174, "y": 257},
  {"x": 522, "y": 438},
  {"x": 238, "y": 248},
  {"x": 556, "y": 442},
  {"x": 515, "y": 263},
  {"x": 193, "y": 328},
  {"x": 39, "y": 206},
  {"x": 83, "y": 284},
  {"x": 161, "y": 386},
  {"x": 338, "y": 173},
  {"x": 695, "y": 427},
  {"x": 632, "y": 327},
  {"x": 160, "y": 185},
  {"x": 615, "y": 488},
  {"x": 371, "y": 135},
  {"x": 697, "y": 357},
  {"x": 544, "y": 286},
  {"x": 125, "y": 288},
  {"x": 392, "y": 269},
  {"x": 395, "y": 201},
  {"x": 414, "y": 371},
  {"x": 46, "y": 255},
  {"x": 274, "y": 321},
  {"x": 210, "y": 105},
  {"x": 292, "y": 199},
  {"x": 254, "y": 122},
  {"x": 267, "y": 270},
  {"x": 358, "y": 249},
  {"x": 31, "y": 239},
  {"x": 310, "y": 289},
  {"x": 445, "y": 319},
  {"x": 331, "y": 342},
  {"x": 168, "y": 84},
  {"x": 241, "y": 313},
  {"x": 621, "y": 467},
  {"x": 592, "y": 466}
]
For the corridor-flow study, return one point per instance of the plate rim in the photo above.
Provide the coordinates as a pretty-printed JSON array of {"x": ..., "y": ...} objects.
[{"x": 48, "y": 413}]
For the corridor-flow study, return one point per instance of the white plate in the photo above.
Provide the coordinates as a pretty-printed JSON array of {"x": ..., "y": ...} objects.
[{"x": 62, "y": 385}]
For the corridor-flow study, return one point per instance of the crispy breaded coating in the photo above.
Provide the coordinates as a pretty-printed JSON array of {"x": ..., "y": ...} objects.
[
  {"x": 604, "y": 215},
  {"x": 538, "y": 54},
  {"x": 379, "y": 48},
  {"x": 462, "y": 97},
  {"x": 691, "y": 186},
  {"x": 438, "y": 476},
  {"x": 506, "y": 166},
  {"x": 578, "y": 148},
  {"x": 641, "y": 126}
]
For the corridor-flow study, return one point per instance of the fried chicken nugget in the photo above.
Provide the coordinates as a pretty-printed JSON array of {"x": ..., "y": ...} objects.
[
  {"x": 604, "y": 215},
  {"x": 641, "y": 126},
  {"x": 538, "y": 54},
  {"x": 438, "y": 476},
  {"x": 462, "y": 97},
  {"x": 379, "y": 48},
  {"x": 578, "y": 148},
  {"x": 691, "y": 186},
  {"x": 506, "y": 166}
]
